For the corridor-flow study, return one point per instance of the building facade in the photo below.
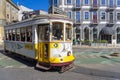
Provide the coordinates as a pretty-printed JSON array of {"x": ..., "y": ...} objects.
[
  {"x": 8, "y": 13},
  {"x": 93, "y": 19}
]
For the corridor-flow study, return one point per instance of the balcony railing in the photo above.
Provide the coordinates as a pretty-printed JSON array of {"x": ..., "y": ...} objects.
[
  {"x": 77, "y": 21},
  {"x": 110, "y": 7},
  {"x": 76, "y": 7},
  {"x": 111, "y": 22},
  {"x": 94, "y": 21}
]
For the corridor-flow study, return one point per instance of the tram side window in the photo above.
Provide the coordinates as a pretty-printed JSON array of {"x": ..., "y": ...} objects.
[
  {"x": 44, "y": 32},
  {"x": 57, "y": 31},
  {"x": 6, "y": 35},
  {"x": 29, "y": 34},
  {"x": 68, "y": 32},
  {"x": 22, "y": 32},
  {"x": 13, "y": 34},
  {"x": 10, "y": 35},
  {"x": 18, "y": 35}
]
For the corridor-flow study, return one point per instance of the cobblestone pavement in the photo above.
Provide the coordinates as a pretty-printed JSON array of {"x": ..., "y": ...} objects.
[
  {"x": 8, "y": 61},
  {"x": 97, "y": 62},
  {"x": 88, "y": 64}
]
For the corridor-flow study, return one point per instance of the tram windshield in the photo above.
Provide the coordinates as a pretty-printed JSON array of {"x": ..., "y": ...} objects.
[
  {"x": 68, "y": 33},
  {"x": 57, "y": 31}
]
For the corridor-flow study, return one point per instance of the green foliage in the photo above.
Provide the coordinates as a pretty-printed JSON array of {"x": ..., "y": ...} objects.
[{"x": 100, "y": 41}]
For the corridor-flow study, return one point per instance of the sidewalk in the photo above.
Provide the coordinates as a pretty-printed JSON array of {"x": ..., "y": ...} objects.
[{"x": 87, "y": 46}]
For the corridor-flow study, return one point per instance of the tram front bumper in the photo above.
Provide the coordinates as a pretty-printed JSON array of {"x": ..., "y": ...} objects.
[{"x": 60, "y": 61}]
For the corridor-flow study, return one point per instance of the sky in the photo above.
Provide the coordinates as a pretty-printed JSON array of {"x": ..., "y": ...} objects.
[{"x": 33, "y": 4}]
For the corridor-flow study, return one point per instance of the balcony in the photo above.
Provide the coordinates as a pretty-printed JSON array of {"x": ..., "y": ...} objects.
[
  {"x": 93, "y": 22},
  {"x": 110, "y": 8},
  {"x": 110, "y": 22},
  {"x": 76, "y": 7},
  {"x": 77, "y": 22},
  {"x": 94, "y": 7}
]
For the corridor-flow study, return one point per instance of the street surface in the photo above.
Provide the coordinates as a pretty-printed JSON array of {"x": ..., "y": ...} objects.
[{"x": 89, "y": 65}]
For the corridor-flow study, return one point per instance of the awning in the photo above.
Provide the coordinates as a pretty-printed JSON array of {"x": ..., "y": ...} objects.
[{"x": 107, "y": 31}]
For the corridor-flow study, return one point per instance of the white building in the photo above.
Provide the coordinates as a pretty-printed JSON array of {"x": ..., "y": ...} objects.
[
  {"x": 93, "y": 19},
  {"x": 22, "y": 9}
]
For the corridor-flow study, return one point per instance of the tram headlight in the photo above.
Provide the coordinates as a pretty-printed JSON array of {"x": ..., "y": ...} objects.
[{"x": 69, "y": 53}]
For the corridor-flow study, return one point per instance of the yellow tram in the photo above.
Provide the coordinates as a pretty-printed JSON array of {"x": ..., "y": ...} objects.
[{"x": 45, "y": 38}]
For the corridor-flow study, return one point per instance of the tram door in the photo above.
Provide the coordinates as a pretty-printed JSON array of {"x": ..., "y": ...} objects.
[{"x": 43, "y": 45}]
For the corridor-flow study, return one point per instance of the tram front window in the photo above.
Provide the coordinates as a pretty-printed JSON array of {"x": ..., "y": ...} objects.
[
  {"x": 68, "y": 32},
  {"x": 57, "y": 31}
]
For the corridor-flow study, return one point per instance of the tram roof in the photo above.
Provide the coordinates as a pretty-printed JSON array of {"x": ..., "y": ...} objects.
[{"x": 46, "y": 16}]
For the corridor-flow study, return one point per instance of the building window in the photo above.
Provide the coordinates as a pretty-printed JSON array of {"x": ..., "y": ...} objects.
[
  {"x": 77, "y": 16},
  {"x": 55, "y": 2},
  {"x": 70, "y": 15},
  {"x": 103, "y": 2},
  {"x": 102, "y": 15},
  {"x": 95, "y": 3},
  {"x": 94, "y": 34},
  {"x": 86, "y": 17},
  {"x": 111, "y": 3},
  {"x": 77, "y": 3},
  {"x": 8, "y": 16},
  {"x": 111, "y": 17},
  {"x": 78, "y": 31},
  {"x": 118, "y": 2},
  {"x": 86, "y": 2},
  {"x": 95, "y": 17},
  {"x": 7, "y": 5},
  {"x": 118, "y": 16},
  {"x": 118, "y": 34},
  {"x": 69, "y": 1}
]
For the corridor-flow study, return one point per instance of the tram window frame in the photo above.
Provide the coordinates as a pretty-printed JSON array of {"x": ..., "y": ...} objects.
[
  {"x": 58, "y": 31},
  {"x": 29, "y": 34},
  {"x": 68, "y": 32},
  {"x": 23, "y": 34},
  {"x": 18, "y": 36}
]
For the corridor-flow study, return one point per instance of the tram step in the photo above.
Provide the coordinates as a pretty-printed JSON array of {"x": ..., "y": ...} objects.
[{"x": 42, "y": 67}]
